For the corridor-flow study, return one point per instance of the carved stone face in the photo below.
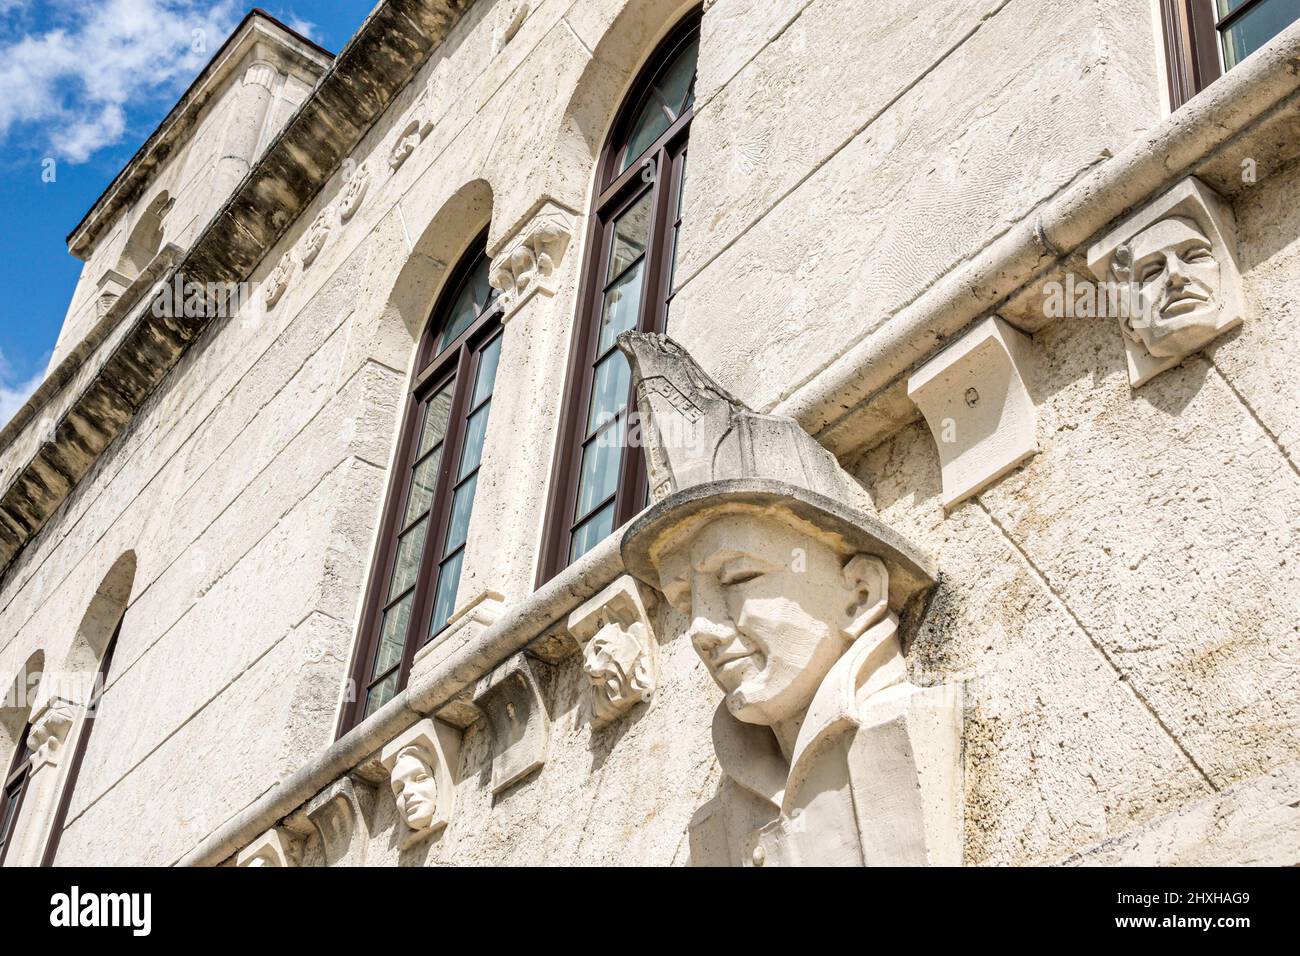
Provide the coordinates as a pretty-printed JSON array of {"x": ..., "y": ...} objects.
[
  {"x": 611, "y": 660},
  {"x": 1176, "y": 276},
  {"x": 769, "y": 608},
  {"x": 415, "y": 789}
]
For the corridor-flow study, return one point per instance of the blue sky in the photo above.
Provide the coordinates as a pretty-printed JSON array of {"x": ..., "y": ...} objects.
[{"x": 83, "y": 83}]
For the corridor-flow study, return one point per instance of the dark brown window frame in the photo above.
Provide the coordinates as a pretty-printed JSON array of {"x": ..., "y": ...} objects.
[
  {"x": 15, "y": 782},
  {"x": 659, "y": 168},
  {"x": 434, "y": 368},
  {"x": 1193, "y": 44}
]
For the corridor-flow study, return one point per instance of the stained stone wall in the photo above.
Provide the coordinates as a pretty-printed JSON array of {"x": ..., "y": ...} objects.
[{"x": 1121, "y": 609}]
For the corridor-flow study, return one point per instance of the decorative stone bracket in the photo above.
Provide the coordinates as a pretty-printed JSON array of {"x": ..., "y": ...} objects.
[
  {"x": 421, "y": 763},
  {"x": 620, "y": 652},
  {"x": 340, "y": 814},
  {"x": 511, "y": 700},
  {"x": 49, "y": 732},
  {"x": 529, "y": 262},
  {"x": 275, "y": 847},
  {"x": 975, "y": 398},
  {"x": 1172, "y": 274}
]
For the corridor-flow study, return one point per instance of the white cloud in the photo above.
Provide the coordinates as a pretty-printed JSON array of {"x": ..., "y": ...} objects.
[
  {"x": 75, "y": 79},
  {"x": 299, "y": 25},
  {"x": 14, "y": 395}
]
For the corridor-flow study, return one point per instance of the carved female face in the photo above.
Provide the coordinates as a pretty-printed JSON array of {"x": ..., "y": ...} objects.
[
  {"x": 768, "y": 606},
  {"x": 415, "y": 790},
  {"x": 1177, "y": 280}
]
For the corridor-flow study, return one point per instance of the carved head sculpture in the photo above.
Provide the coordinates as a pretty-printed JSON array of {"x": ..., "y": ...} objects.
[
  {"x": 619, "y": 669},
  {"x": 758, "y": 540},
  {"x": 415, "y": 788},
  {"x": 1177, "y": 260},
  {"x": 773, "y": 603},
  {"x": 420, "y": 762}
]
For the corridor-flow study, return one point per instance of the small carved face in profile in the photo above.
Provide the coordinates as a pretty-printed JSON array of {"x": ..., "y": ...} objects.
[
  {"x": 616, "y": 662},
  {"x": 770, "y": 609},
  {"x": 415, "y": 789},
  {"x": 1176, "y": 277}
]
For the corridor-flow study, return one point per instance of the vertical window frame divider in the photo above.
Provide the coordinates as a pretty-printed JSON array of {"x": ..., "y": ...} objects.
[
  {"x": 619, "y": 192},
  {"x": 435, "y": 367}
]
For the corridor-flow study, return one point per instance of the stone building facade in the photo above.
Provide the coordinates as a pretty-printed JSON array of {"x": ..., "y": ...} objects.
[{"x": 974, "y": 428}]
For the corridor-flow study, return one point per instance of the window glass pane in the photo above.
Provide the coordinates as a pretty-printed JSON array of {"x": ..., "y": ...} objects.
[
  {"x": 487, "y": 372},
  {"x": 1256, "y": 27},
  {"x": 630, "y": 236},
  {"x": 448, "y": 581},
  {"x": 475, "y": 432},
  {"x": 472, "y": 300},
  {"x": 392, "y": 639},
  {"x": 462, "y": 503},
  {"x": 594, "y": 530},
  {"x": 424, "y": 479},
  {"x": 436, "y": 412},
  {"x": 622, "y": 307},
  {"x": 599, "y": 474},
  {"x": 382, "y": 693},
  {"x": 609, "y": 391},
  {"x": 407, "y": 565},
  {"x": 1227, "y": 6},
  {"x": 671, "y": 94}
]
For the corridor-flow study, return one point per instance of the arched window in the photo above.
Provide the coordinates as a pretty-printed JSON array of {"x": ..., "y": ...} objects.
[
  {"x": 412, "y": 590},
  {"x": 83, "y": 740},
  {"x": 15, "y": 728},
  {"x": 598, "y": 482}
]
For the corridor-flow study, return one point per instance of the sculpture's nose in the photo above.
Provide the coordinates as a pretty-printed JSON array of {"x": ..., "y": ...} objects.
[{"x": 1177, "y": 272}]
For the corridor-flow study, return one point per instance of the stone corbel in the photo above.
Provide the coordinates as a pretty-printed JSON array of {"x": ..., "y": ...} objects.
[
  {"x": 1171, "y": 275},
  {"x": 975, "y": 398},
  {"x": 511, "y": 17},
  {"x": 49, "y": 732},
  {"x": 511, "y": 700},
  {"x": 340, "y": 815},
  {"x": 531, "y": 259},
  {"x": 620, "y": 652},
  {"x": 411, "y": 136},
  {"x": 421, "y": 763},
  {"x": 275, "y": 847}
]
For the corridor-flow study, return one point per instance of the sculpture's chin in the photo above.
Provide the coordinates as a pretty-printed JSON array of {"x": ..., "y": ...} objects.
[
  {"x": 1178, "y": 333},
  {"x": 420, "y": 818}
]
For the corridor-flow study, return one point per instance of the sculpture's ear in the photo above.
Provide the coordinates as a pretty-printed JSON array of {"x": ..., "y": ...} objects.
[{"x": 868, "y": 578}]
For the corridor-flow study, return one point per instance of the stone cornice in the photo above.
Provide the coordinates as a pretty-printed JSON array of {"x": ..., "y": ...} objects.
[
  {"x": 183, "y": 117},
  {"x": 379, "y": 61}
]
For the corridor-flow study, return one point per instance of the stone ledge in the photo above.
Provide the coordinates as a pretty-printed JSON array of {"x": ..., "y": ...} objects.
[
  {"x": 859, "y": 397},
  {"x": 376, "y": 65},
  {"x": 428, "y": 694}
]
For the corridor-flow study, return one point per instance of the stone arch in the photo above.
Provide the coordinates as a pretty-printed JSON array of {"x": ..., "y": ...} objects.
[
  {"x": 146, "y": 237},
  {"x": 443, "y": 240},
  {"x": 16, "y": 707},
  {"x": 101, "y": 618},
  {"x": 593, "y": 103}
]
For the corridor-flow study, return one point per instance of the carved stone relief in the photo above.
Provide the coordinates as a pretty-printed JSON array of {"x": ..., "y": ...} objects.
[
  {"x": 275, "y": 847},
  {"x": 353, "y": 192},
  {"x": 421, "y": 764},
  {"x": 340, "y": 815},
  {"x": 49, "y": 731},
  {"x": 406, "y": 143},
  {"x": 510, "y": 698},
  {"x": 314, "y": 241},
  {"x": 620, "y": 654},
  {"x": 277, "y": 281},
  {"x": 529, "y": 263},
  {"x": 1178, "y": 285},
  {"x": 830, "y": 755}
]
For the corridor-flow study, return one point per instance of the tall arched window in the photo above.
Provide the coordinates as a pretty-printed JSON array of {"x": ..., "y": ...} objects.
[
  {"x": 88, "y": 723},
  {"x": 15, "y": 728},
  {"x": 412, "y": 591},
  {"x": 15, "y": 785},
  {"x": 598, "y": 482}
]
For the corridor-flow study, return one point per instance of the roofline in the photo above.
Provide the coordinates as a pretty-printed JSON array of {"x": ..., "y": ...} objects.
[{"x": 182, "y": 104}]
